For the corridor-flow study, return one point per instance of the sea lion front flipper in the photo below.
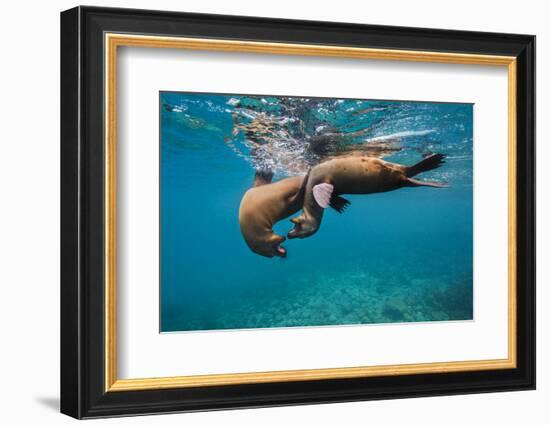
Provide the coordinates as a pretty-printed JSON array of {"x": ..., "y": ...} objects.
[
  {"x": 339, "y": 204},
  {"x": 262, "y": 176},
  {"x": 322, "y": 194}
]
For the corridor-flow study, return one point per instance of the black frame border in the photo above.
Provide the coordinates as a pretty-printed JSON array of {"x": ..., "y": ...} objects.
[{"x": 82, "y": 205}]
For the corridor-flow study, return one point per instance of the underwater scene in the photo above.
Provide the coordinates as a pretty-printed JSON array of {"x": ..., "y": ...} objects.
[{"x": 380, "y": 194}]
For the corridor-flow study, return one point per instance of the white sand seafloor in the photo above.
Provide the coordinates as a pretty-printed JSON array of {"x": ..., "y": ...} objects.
[{"x": 343, "y": 299}]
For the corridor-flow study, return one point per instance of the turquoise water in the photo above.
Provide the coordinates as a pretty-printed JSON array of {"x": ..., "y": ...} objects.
[{"x": 400, "y": 256}]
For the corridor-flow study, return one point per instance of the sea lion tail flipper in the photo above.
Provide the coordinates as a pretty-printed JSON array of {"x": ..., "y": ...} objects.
[
  {"x": 262, "y": 176},
  {"x": 431, "y": 162},
  {"x": 414, "y": 183}
]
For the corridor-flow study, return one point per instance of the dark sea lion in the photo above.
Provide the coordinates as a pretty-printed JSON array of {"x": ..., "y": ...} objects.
[
  {"x": 354, "y": 174},
  {"x": 265, "y": 204}
]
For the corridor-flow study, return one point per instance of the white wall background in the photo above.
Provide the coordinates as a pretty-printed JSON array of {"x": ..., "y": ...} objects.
[{"x": 29, "y": 214}]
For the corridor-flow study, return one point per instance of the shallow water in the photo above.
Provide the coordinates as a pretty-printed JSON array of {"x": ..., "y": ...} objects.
[{"x": 400, "y": 256}]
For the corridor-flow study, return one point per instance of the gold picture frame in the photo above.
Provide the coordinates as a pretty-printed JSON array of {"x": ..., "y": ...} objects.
[{"x": 114, "y": 41}]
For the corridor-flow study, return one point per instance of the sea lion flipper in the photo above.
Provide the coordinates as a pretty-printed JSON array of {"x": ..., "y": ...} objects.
[
  {"x": 413, "y": 183},
  {"x": 339, "y": 204},
  {"x": 430, "y": 162},
  {"x": 322, "y": 194},
  {"x": 262, "y": 176}
]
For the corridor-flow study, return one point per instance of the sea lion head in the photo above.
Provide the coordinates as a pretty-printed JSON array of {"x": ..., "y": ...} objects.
[
  {"x": 303, "y": 227},
  {"x": 270, "y": 246}
]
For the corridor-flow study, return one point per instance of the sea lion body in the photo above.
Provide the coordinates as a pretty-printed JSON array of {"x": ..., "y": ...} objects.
[
  {"x": 264, "y": 205},
  {"x": 357, "y": 175}
]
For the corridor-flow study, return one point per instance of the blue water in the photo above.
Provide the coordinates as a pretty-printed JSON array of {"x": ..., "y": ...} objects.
[{"x": 400, "y": 256}]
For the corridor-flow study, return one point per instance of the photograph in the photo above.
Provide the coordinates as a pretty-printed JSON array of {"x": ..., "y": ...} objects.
[{"x": 246, "y": 243}]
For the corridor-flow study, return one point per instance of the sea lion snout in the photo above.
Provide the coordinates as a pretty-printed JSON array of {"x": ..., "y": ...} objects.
[
  {"x": 278, "y": 250},
  {"x": 271, "y": 247}
]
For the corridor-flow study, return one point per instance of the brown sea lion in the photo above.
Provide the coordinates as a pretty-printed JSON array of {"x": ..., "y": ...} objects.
[
  {"x": 354, "y": 174},
  {"x": 265, "y": 204}
]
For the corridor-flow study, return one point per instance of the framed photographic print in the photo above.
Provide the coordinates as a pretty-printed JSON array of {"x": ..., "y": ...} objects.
[{"x": 261, "y": 212}]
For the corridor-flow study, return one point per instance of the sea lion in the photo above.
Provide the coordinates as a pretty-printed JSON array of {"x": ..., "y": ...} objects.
[
  {"x": 265, "y": 204},
  {"x": 354, "y": 174}
]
